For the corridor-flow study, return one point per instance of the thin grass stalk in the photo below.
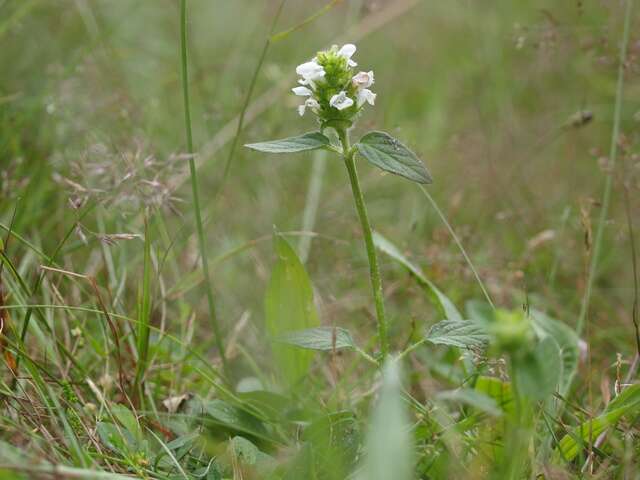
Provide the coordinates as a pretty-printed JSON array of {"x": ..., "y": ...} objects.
[
  {"x": 606, "y": 195},
  {"x": 194, "y": 188}
]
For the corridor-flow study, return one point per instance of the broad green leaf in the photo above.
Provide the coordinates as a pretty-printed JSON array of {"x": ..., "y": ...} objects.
[
  {"x": 249, "y": 454},
  {"x": 127, "y": 419},
  {"x": 117, "y": 439},
  {"x": 289, "y": 308},
  {"x": 628, "y": 402},
  {"x": 474, "y": 398},
  {"x": 457, "y": 333},
  {"x": 388, "y": 154},
  {"x": 498, "y": 390},
  {"x": 301, "y": 143},
  {"x": 234, "y": 418},
  {"x": 446, "y": 306},
  {"x": 334, "y": 440},
  {"x": 389, "y": 444},
  {"x": 568, "y": 342},
  {"x": 319, "y": 338},
  {"x": 537, "y": 373}
]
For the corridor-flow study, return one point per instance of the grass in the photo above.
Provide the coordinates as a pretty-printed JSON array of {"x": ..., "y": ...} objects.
[{"x": 142, "y": 286}]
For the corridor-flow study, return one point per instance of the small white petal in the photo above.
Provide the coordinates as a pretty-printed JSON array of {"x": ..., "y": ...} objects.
[
  {"x": 341, "y": 101},
  {"x": 351, "y": 63},
  {"x": 363, "y": 79},
  {"x": 302, "y": 91},
  {"x": 310, "y": 71},
  {"x": 366, "y": 95},
  {"x": 347, "y": 50},
  {"x": 311, "y": 103}
]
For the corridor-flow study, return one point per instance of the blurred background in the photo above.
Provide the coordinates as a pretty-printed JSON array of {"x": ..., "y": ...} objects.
[{"x": 509, "y": 104}]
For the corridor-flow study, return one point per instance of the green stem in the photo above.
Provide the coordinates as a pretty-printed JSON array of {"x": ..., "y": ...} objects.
[
  {"x": 194, "y": 188},
  {"x": 606, "y": 195},
  {"x": 374, "y": 270}
]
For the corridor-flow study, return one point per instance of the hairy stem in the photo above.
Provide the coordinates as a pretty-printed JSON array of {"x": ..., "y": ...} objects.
[
  {"x": 194, "y": 187},
  {"x": 374, "y": 269}
]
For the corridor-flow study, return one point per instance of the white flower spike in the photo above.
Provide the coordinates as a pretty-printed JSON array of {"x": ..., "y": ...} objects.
[
  {"x": 311, "y": 103},
  {"x": 363, "y": 79},
  {"x": 341, "y": 101},
  {"x": 347, "y": 52},
  {"x": 366, "y": 95}
]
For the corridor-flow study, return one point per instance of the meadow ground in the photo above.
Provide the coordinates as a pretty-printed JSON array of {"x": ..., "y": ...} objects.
[{"x": 509, "y": 283}]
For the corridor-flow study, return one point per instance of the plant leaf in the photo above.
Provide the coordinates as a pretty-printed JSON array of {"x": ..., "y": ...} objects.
[
  {"x": 319, "y": 338},
  {"x": 234, "y": 418},
  {"x": 538, "y": 372},
  {"x": 567, "y": 340},
  {"x": 289, "y": 308},
  {"x": 474, "y": 398},
  {"x": 388, "y": 154},
  {"x": 301, "y": 143},
  {"x": 498, "y": 390},
  {"x": 570, "y": 445},
  {"x": 446, "y": 306},
  {"x": 457, "y": 333},
  {"x": 389, "y": 445}
]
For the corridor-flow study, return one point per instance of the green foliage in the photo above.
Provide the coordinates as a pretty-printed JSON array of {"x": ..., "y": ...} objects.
[
  {"x": 457, "y": 333},
  {"x": 389, "y": 447},
  {"x": 388, "y": 154},
  {"x": 444, "y": 304},
  {"x": 121, "y": 372},
  {"x": 319, "y": 338},
  {"x": 289, "y": 307},
  {"x": 301, "y": 143},
  {"x": 626, "y": 403}
]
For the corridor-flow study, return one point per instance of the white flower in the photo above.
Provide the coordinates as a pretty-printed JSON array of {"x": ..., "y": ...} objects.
[
  {"x": 310, "y": 72},
  {"x": 302, "y": 91},
  {"x": 341, "y": 101},
  {"x": 347, "y": 52},
  {"x": 366, "y": 95},
  {"x": 363, "y": 79},
  {"x": 311, "y": 103}
]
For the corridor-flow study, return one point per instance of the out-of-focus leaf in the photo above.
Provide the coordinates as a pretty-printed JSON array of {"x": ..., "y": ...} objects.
[
  {"x": 456, "y": 333},
  {"x": 289, "y": 307},
  {"x": 446, "y": 306},
  {"x": 567, "y": 340},
  {"x": 473, "y": 398},
  {"x": 235, "y": 418},
  {"x": 537, "y": 373},
  {"x": 117, "y": 439},
  {"x": 389, "y": 444},
  {"x": 498, "y": 390},
  {"x": 627, "y": 403},
  {"x": 301, "y": 143},
  {"x": 388, "y": 154},
  {"x": 127, "y": 419},
  {"x": 319, "y": 338}
]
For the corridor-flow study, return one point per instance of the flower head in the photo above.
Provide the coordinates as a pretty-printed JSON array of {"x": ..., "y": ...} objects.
[{"x": 334, "y": 93}]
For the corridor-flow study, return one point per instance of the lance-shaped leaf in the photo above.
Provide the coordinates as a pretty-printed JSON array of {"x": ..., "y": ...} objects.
[
  {"x": 627, "y": 403},
  {"x": 389, "y": 450},
  {"x": 446, "y": 306},
  {"x": 320, "y": 338},
  {"x": 289, "y": 307},
  {"x": 301, "y": 143},
  {"x": 387, "y": 153},
  {"x": 457, "y": 333}
]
